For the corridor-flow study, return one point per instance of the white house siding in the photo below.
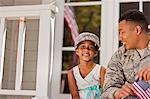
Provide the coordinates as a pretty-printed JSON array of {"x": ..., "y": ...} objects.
[
  {"x": 27, "y": 2},
  {"x": 31, "y": 46},
  {"x": 10, "y": 55},
  {"x": 6, "y": 2},
  {"x": 30, "y": 58}
]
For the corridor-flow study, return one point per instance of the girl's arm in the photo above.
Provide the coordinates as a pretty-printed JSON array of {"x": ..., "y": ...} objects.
[
  {"x": 72, "y": 85},
  {"x": 102, "y": 76}
]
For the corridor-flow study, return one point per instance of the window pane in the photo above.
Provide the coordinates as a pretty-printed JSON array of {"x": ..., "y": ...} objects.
[
  {"x": 64, "y": 87},
  {"x": 19, "y": 2},
  {"x": 127, "y": 6},
  {"x": 80, "y": 0},
  {"x": 10, "y": 54},
  {"x": 89, "y": 20},
  {"x": 146, "y": 10},
  {"x": 15, "y": 97},
  {"x": 69, "y": 59},
  {"x": 30, "y": 54}
]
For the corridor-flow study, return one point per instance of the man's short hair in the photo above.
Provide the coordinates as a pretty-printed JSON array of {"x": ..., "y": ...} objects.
[{"x": 135, "y": 16}]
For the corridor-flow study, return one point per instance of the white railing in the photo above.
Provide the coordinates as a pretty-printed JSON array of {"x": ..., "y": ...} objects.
[{"x": 44, "y": 14}]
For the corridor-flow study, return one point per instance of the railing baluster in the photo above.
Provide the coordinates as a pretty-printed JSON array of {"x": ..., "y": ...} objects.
[
  {"x": 20, "y": 54},
  {"x": 2, "y": 47}
]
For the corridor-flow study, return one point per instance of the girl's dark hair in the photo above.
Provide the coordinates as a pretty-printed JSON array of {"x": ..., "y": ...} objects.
[
  {"x": 135, "y": 16},
  {"x": 96, "y": 47}
]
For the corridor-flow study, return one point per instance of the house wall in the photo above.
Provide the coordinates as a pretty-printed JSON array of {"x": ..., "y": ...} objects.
[
  {"x": 109, "y": 41},
  {"x": 6, "y": 2},
  {"x": 27, "y": 2}
]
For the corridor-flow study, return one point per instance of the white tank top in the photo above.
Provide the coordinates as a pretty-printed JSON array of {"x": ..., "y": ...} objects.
[{"x": 89, "y": 86}]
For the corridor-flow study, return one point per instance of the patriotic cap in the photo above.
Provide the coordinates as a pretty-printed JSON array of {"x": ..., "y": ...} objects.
[{"x": 87, "y": 36}]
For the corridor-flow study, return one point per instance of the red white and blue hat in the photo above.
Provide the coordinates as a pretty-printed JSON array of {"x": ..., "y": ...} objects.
[{"x": 87, "y": 36}]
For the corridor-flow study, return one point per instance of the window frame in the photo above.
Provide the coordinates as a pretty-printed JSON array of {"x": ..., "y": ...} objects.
[
  {"x": 109, "y": 37},
  {"x": 58, "y": 48}
]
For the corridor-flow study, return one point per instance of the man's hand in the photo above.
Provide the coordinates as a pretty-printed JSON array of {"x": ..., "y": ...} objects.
[
  {"x": 144, "y": 73},
  {"x": 126, "y": 90}
]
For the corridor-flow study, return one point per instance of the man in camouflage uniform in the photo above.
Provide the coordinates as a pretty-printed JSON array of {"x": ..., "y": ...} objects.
[{"x": 132, "y": 60}]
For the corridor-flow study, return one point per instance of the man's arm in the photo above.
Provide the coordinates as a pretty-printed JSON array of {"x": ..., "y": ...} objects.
[
  {"x": 114, "y": 78},
  {"x": 115, "y": 84}
]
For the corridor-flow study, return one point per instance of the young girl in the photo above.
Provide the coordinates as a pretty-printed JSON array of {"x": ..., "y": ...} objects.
[{"x": 86, "y": 79}]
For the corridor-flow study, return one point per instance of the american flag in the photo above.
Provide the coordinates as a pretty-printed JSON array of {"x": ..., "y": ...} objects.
[
  {"x": 143, "y": 89},
  {"x": 71, "y": 22}
]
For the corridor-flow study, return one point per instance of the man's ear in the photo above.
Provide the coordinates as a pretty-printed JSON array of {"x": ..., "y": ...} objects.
[
  {"x": 96, "y": 53},
  {"x": 138, "y": 30}
]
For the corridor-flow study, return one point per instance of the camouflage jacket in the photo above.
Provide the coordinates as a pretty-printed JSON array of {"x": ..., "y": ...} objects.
[{"x": 122, "y": 68}]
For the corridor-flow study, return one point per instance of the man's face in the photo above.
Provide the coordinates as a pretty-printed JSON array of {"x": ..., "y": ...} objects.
[{"x": 127, "y": 34}]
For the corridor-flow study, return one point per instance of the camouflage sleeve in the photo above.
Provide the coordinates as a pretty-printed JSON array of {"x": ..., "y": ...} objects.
[{"x": 114, "y": 77}]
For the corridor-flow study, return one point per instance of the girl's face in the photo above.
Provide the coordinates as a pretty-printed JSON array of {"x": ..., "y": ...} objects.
[{"x": 86, "y": 51}]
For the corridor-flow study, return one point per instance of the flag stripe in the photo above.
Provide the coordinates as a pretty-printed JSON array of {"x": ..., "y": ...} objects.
[
  {"x": 140, "y": 95},
  {"x": 137, "y": 93},
  {"x": 148, "y": 91},
  {"x": 71, "y": 22}
]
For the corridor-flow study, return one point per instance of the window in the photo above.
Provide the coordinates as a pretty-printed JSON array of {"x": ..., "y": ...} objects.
[
  {"x": 140, "y": 5},
  {"x": 146, "y": 6},
  {"x": 126, "y": 6},
  {"x": 89, "y": 21},
  {"x": 64, "y": 55},
  {"x": 80, "y": 0},
  {"x": 11, "y": 54}
]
